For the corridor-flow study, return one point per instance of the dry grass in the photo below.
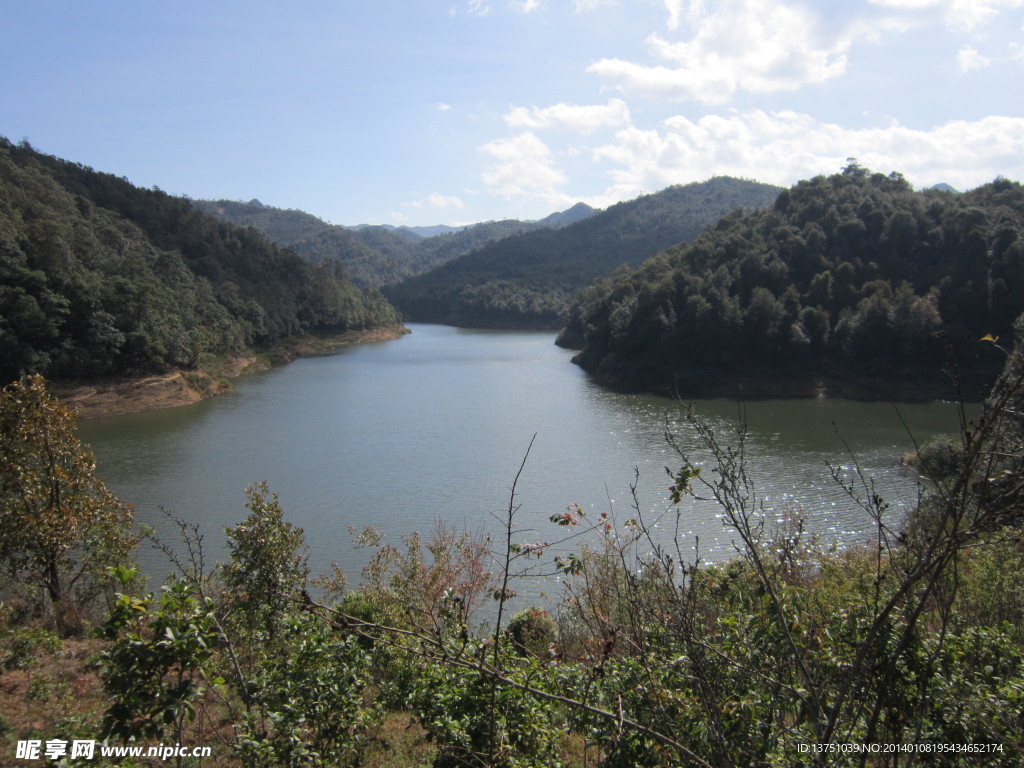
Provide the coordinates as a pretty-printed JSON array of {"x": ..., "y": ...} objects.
[{"x": 49, "y": 693}]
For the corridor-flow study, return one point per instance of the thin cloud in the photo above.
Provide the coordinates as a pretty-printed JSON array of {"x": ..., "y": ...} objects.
[
  {"x": 579, "y": 118},
  {"x": 956, "y": 14},
  {"x": 582, "y": 6},
  {"x": 908, "y": 5},
  {"x": 968, "y": 58},
  {"x": 437, "y": 200}
]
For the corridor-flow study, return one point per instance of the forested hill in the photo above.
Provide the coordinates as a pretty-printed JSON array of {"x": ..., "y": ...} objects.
[
  {"x": 371, "y": 259},
  {"x": 374, "y": 256},
  {"x": 848, "y": 281},
  {"x": 528, "y": 281},
  {"x": 99, "y": 277}
]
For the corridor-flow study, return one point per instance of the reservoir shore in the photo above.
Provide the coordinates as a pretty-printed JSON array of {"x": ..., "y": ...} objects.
[{"x": 114, "y": 397}]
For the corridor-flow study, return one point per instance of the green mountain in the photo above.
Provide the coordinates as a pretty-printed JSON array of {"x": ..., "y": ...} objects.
[
  {"x": 375, "y": 256},
  {"x": 372, "y": 257},
  {"x": 578, "y": 212},
  {"x": 852, "y": 282},
  {"x": 527, "y": 281},
  {"x": 99, "y": 277}
]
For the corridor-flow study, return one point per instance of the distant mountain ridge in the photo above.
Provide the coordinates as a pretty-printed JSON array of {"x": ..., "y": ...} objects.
[
  {"x": 528, "y": 281},
  {"x": 557, "y": 219},
  {"x": 376, "y": 255},
  {"x": 431, "y": 231}
]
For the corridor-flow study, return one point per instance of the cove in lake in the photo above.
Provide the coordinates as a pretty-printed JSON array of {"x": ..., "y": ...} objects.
[{"x": 433, "y": 427}]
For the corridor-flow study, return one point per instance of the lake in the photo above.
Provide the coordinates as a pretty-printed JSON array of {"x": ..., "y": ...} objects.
[{"x": 434, "y": 426}]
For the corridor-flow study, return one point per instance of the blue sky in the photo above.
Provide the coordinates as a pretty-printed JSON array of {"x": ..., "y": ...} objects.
[{"x": 423, "y": 112}]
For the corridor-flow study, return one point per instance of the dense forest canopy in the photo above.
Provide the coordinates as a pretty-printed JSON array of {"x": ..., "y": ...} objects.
[
  {"x": 527, "y": 281},
  {"x": 376, "y": 256},
  {"x": 99, "y": 277},
  {"x": 850, "y": 275}
]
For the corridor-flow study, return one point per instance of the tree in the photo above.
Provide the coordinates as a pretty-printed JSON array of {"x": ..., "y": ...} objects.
[
  {"x": 60, "y": 528},
  {"x": 159, "y": 650},
  {"x": 268, "y": 565}
]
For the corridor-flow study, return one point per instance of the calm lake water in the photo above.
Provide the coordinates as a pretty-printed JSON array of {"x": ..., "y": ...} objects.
[{"x": 433, "y": 427}]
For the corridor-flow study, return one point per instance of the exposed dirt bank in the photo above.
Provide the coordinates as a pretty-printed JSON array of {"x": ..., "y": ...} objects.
[{"x": 119, "y": 396}]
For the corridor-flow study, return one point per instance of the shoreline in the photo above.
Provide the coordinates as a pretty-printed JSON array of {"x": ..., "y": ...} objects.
[
  {"x": 116, "y": 397},
  {"x": 784, "y": 385}
]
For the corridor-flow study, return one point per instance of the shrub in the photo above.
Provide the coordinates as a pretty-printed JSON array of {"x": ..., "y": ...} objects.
[
  {"x": 22, "y": 644},
  {"x": 533, "y": 632}
]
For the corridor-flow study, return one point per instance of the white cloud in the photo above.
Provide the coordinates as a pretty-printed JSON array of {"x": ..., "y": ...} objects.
[
  {"x": 750, "y": 45},
  {"x": 675, "y": 9},
  {"x": 768, "y": 46},
  {"x": 478, "y": 7},
  {"x": 581, "y": 118},
  {"x": 968, "y": 14},
  {"x": 958, "y": 14},
  {"x": 525, "y": 167},
  {"x": 968, "y": 58},
  {"x": 527, "y": 6},
  {"x": 784, "y": 147},
  {"x": 437, "y": 200}
]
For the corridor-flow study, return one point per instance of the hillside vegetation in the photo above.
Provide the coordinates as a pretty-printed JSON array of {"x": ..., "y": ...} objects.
[
  {"x": 99, "y": 278},
  {"x": 375, "y": 256},
  {"x": 528, "y": 281},
  {"x": 845, "y": 281}
]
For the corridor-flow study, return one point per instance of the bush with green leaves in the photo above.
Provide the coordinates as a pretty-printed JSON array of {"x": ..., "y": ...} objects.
[
  {"x": 990, "y": 590},
  {"x": 938, "y": 458},
  {"x": 478, "y": 720},
  {"x": 158, "y": 660},
  {"x": 267, "y": 569},
  {"x": 310, "y": 698},
  {"x": 532, "y": 632},
  {"x": 976, "y": 693}
]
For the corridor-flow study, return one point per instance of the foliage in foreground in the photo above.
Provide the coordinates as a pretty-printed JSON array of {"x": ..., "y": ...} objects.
[
  {"x": 61, "y": 528},
  {"x": 647, "y": 659}
]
